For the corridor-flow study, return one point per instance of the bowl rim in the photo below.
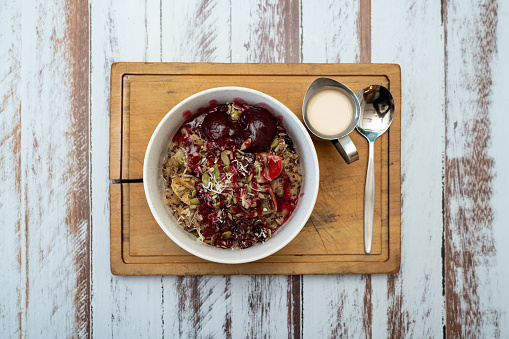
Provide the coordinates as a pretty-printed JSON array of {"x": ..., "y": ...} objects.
[{"x": 310, "y": 152}]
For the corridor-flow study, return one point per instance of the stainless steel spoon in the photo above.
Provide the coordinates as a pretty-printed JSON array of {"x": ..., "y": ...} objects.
[{"x": 377, "y": 111}]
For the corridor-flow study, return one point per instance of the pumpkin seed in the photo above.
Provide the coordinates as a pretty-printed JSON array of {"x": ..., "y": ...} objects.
[
  {"x": 245, "y": 144},
  {"x": 224, "y": 157},
  {"x": 227, "y": 234},
  {"x": 205, "y": 178},
  {"x": 216, "y": 172},
  {"x": 258, "y": 222},
  {"x": 194, "y": 201},
  {"x": 275, "y": 142},
  {"x": 193, "y": 193},
  {"x": 235, "y": 114}
]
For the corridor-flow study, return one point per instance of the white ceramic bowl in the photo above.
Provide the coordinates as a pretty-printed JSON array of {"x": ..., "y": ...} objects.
[{"x": 154, "y": 186}]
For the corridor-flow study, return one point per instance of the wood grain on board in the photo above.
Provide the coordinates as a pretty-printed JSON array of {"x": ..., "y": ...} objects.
[{"x": 334, "y": 234}]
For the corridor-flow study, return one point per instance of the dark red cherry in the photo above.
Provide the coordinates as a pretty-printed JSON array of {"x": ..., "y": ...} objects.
[
  {"x": 259, "y": 125},
  {"x": 217, "y": 126}
]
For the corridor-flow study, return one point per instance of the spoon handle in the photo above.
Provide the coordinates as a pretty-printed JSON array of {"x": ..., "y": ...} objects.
[{"x": 369, "y": 199}]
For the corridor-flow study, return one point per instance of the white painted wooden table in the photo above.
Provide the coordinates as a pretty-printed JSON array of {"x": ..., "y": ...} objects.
[{"x": 55, "y": 279}]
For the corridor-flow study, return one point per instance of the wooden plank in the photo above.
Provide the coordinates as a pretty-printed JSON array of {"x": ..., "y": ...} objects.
[
  {"x": 475, "y": 216},
  {"x": 330, "y": 32},
  {"x": 266, "y": 32},
  {"x": 78, "y": 213},
  {"x": 364, "y": 33},
  {"x": 197, "y": 30},
  {"x": 129, "y": 32},
  {"x": 410, "y": 303},
  {"x": 336, "y": 32},
  {"x": 198, "y": 307},
  {"x": 12, "y": 241},
  {"x": 495, "y": 294},
  {"x": 55, "y": 173}
]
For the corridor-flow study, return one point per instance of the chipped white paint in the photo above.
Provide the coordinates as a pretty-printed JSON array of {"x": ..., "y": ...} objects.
[
  {"x": 330, "y": 32},
  {"x": 195, "y": 306},
  {"x": 259, "y": 306},
  {"x": 333, "y": 305},
  {"x": 42, "y": 231},
  {"x": 264, "y": 32},
  {"x": 46, "y": 161},
  {"x": 12, "y": 239},
  {"x": 476, "y": 259},
  {"x": 195, "y": 31},
  {"x": 121, "y": 307},
  {"x": 415, "y": 306},
  {"x": 499, "y": 274}
]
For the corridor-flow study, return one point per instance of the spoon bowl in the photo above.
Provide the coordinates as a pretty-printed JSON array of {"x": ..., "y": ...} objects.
[{"x": 377, "y": 112}]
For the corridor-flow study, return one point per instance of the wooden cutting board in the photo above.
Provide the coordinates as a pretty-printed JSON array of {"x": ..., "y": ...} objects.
[{"x": 332, "y": 240}]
